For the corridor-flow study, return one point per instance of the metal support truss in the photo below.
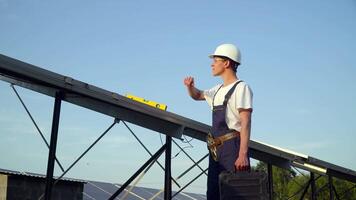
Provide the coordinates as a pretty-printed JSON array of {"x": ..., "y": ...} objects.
[
  {"x": 147, "y": 163},
  {"x": 270, "y": 180},
  {"x": 201, "y": 173},
  {"x": 50, "y": 184},
  {"x": 86, "y": 151},
  {"x": 167, "y": 174},
  {"x": 146, "y": 149},
  {"x": 34, "y": 122},
  {"x": 311, "y": 182},
  {"x": 196, "y": 163},
  {"x": 330, "y": 184},
  {"x": 53, "y": 145},
  {"x": 67, "y": 89},
  {"x": 314, "y": 192},
  {"x": 312, "y": 185}
]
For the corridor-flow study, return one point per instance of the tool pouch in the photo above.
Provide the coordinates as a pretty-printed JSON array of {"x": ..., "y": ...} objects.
[{"x": 212, "y": 145}]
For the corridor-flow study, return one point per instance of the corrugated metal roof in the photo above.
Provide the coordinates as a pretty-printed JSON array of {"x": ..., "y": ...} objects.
[{"x": 35, "y": 175}]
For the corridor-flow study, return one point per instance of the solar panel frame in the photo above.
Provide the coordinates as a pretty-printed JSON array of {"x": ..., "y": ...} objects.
[{"x": 115, "y": 105}]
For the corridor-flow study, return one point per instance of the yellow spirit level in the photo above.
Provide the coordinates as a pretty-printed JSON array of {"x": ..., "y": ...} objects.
[{"x": 147, "y": 102}]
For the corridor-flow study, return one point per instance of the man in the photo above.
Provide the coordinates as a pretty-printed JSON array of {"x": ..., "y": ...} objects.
[{"x": 231, "y": 104}]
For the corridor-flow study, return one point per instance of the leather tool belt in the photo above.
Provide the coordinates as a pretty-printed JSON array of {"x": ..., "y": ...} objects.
[{"x": 214, "y": 143}]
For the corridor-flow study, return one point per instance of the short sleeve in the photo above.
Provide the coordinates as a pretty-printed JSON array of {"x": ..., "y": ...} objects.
[
  {"x": 209, "y": 95},
  {"x": 244, "y": 97}
]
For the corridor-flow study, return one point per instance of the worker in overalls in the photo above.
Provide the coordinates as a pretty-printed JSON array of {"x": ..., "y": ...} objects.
[{"x": 231, "y": 104}]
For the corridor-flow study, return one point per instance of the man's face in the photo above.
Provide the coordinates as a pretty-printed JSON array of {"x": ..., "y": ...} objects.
[{"x": 218, "y": 66}]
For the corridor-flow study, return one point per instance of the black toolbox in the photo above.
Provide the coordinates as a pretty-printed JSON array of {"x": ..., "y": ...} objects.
[{"x": 243, "y": 185}]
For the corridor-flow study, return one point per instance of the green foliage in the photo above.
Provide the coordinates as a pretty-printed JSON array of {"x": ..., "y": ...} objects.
[{"x": 288, "y": 184}]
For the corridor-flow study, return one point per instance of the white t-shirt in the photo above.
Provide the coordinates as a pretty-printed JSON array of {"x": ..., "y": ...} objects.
[{"x": 240, "y": 98}]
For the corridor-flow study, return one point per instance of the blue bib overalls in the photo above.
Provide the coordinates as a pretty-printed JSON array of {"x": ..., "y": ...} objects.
[{"x": 227, "y": 153}]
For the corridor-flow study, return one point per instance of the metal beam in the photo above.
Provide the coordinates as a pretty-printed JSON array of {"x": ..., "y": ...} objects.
[
  {"x": 305, "y": 189},
  {"x": 270, "y": 180},
  {"x": 190, "y": 182},
  {"x": 331, "y": 193},
  {"x": 34, "y": 123},
  {"x": 148, "y": 162},
  {"x": 334, "y": 170},
  {"x": 313, "y": 187},
  {"x": 195, "y": 163},
  {"x": 167, "y": 174},
  {"x": 148, "y": 151},
  {"x": 191, "y": 167},
  {"x": 87, "y": 150},
  {"x": 117, "y": 106},
  {"x": 53, "y": 145}
]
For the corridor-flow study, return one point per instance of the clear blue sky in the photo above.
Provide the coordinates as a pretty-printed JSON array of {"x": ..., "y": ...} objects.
[{"x": 298, "y": 57}]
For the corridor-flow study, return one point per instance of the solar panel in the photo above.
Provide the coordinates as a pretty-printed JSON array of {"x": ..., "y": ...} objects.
[{"x": 101, "y": 190}]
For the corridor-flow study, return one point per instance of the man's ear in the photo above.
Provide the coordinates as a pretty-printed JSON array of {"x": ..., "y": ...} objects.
[{"x": 227, "y": 63}]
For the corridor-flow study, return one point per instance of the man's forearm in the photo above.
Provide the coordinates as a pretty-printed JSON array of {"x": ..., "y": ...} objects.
[
  {"x": 194, "y": 93},
  {"x": 245, "y": 137}
]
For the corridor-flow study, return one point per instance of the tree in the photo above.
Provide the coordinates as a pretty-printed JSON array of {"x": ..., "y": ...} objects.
[
  {"x": 281, "y": 179},
  {"x": 288, "y": 184}
]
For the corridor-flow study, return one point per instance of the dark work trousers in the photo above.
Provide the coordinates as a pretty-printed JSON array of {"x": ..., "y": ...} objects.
[{"x": 227, "y": 153}]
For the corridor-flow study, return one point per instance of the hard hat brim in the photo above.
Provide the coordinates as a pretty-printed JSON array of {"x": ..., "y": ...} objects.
[{"x": 213, "y": 55}]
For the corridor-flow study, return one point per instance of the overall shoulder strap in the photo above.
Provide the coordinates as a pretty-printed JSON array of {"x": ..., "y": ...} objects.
[
  {"x": 215, "y": 94},
  {"x": 229, "y": 93}
]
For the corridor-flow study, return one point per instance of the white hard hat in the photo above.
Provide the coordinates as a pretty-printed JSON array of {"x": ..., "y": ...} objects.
[{"x": 229, "y": 51}]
